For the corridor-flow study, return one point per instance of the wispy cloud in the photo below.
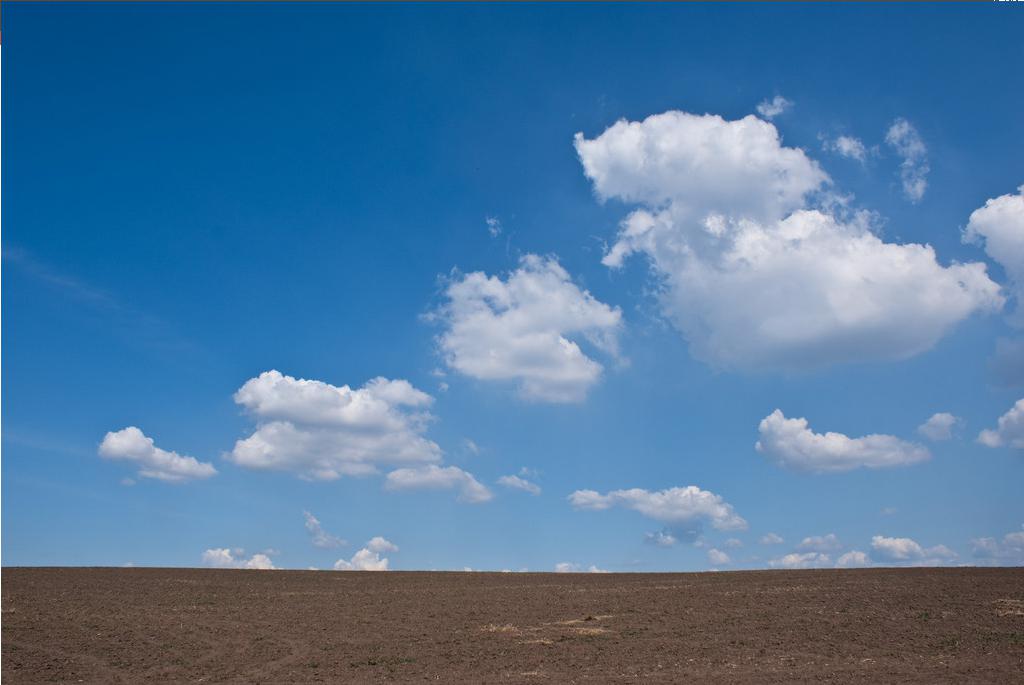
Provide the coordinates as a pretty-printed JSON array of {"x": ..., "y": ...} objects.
[
  {"x": 517, "y": 483},
  {"x": 846, "y": 146},
  {"x": 907, "y": 142},
  {"x": 123, "y": 319},
  {"x": 320, "y": 537},
  {"x": 770, "y": 109},
  {"x": 494, "y": 226}
]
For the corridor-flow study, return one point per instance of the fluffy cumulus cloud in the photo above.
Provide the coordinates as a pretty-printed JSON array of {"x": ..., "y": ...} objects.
[
  {"x": 853, "y": 559},
  {"x": 939, "y": 427},
  {"x": 698, "y": 167},
  {"x": 1008, "y": 550},
  {"x": 717, "y": 557},
  {"x": 519, "y": 483},
  {"x": 381, "y": 545},
  {"x": 222, "y": 557},
  {"x": 321, "y": 431},
  {"x": 770, "y": 109},
  {"x": 751, "y": 273},
  {"x": 771, "y": 539},
  {"x": 320, "y": 537},
  {"x": 131, "y": 444},
  {"x": 792, "y": 444},
  {"x": 1009, "y": 431},
  {"x": 820, "y": 543},
  {"x": 999, "y": 227},
  {"x": 527, "y": 329},
  {"x": 677, "y": 506},
  {"x": 435, "y": 477},
  {"x": 801, "y": 560},
  {"x": 846, "y": 146},
  {"x": 906, "y": 141},
  {"x": 369, "y": 557},
  {"x": 901, "y": 550}
]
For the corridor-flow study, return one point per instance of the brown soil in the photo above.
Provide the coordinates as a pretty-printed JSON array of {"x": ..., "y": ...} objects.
[{"x": 878, "y": 625}]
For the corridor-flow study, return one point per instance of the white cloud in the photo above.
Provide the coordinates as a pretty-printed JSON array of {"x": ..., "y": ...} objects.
[
  {"x": 363, "y": 560},
  {"x": 752, "y": 276},
  {"x": 904, "y": 138},
  {"x": 985, "y": 548},
  {"x": 369, "y": 557},
  {"x": 792, "y": 444},
  {"x": 939, "y": 427},
  {"x": 1009, "y": 431},
  {"x": 770, "y": 109},
  {"x": 661, "y": 538},
  {"x": 219, "y": 557},
  {"x": 733, "y": 543},
  {"x": 819, "y": 543},
  {"x": 435, "y": 477},
  {"x": 259, "y": 561},
  {"x": 717, "y": 557},
  {"x": 847, "y": 146},
  {"x": 471, "y": 447},
  {"x": 1009, "y": 549},
  {"x": 698, "y": 166},
  {"x": 381, "y": 545},
  {"x": 801, "y": 560},
  {"x": 223, "y": 557},
  {"x": 493, "y": 226},
  {"x": 517, "y": 483},
  {"x": 940, "y": 552},
  {"x": 130, "y": 444},
  {"x": 999, "y": 227},
  {"x": 853, "y": 559},
  {"x": 322, "y": 431},
  {"x": 771, "y": 539},
  {"x": 567, "y": 567},
  {"x": 905, "y": 549},
  {"x": 527, "y": 328},
  {"x": 674, "y": 505},
  {"x": 320, "y": 537}
]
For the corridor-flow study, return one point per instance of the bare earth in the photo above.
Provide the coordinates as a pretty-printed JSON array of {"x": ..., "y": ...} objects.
[{"x": 191, "y": 625}]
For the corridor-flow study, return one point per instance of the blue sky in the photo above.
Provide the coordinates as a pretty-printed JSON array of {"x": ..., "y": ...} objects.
[{"x": 197, "y": 195}]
